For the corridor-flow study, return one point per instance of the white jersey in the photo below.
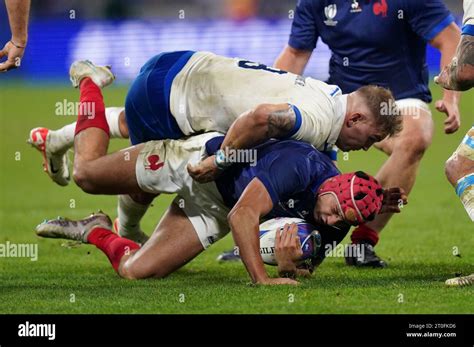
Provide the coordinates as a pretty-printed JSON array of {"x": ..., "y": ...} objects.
[
  {"x": 211, "y": 91},
  {"x": 468, "y": 12}
]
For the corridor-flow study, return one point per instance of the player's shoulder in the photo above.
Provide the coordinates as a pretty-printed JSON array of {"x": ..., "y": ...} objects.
[
  {"x": 288, "y": 149},
  {"x": 318, "y": 94},
  {"x": 331, "y": 90}
]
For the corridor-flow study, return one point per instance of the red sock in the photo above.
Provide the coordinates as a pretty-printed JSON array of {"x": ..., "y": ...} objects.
[
  {"x": 363, "y": 234},
  {"x": 92, "y": 108},
  {"x": 114, "y": 246}
]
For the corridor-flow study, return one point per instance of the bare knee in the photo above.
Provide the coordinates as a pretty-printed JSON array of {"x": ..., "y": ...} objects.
[
  {"x": 414, "y": 145},
  {"x": 128, "y": 271},
  {"x": 136, "y": 270},
  {"x": 84, "y": 179},
  {"x": 129, "y": 274},
  {"x": 456, "y": 167},
  {"x": 451, "y": 170}
]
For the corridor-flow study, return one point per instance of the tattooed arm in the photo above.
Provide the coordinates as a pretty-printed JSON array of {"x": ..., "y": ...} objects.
[
  {"x": 459, "y": 74},
  {"x": 446, "y": 42},
  {"x": 251, "y": 128},
  {"x": 258, "y": 125}
]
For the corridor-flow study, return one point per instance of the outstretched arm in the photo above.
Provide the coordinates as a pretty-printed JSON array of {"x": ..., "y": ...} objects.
[
  {"x": 18, "y": 13},
  {"x": 252, "y": 128},
  {"x": 293, "y": 60},
  {"x": 446, "y": 42},
  {"x": 244, "y": 220}
]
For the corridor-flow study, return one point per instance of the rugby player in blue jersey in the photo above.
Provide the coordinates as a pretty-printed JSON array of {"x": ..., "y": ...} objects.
[
  {"x": 384, "y": 43},
  {"x": 289, "y": 178}
]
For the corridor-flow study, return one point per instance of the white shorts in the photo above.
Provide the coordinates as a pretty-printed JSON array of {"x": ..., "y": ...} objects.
[
  {"x": 413, "y": 105},
  {"x": 161, "y": 168},
  {"x": 468, "y": 12}
]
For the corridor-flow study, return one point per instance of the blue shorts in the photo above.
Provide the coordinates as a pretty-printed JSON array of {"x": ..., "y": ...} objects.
[{"x": 147, "y": 106}]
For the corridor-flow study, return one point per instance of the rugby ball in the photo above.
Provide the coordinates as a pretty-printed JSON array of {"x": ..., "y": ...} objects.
[{"x": 309, "y": 237}]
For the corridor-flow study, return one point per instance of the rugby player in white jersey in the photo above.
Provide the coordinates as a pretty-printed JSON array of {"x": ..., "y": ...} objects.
[{"x": 178, "y": 94}]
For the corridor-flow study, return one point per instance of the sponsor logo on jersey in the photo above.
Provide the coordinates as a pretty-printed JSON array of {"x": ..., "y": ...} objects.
[
  {"x": 355, "y": 7},
  {"x": 381, "y": 8},
  {"x": 154, "y": 163},
  {"x": 330, "y": 12}
]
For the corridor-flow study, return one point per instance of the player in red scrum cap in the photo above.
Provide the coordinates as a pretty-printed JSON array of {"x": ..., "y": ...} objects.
[{"x": 359, "y": 196}]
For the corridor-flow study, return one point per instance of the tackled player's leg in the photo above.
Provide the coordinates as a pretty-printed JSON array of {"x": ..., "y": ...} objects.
[
  {"x": 97, "y": 172},
  {"x": 173, "y": 243}
]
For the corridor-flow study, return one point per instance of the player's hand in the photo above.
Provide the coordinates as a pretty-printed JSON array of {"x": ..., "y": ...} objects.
[
  {"x": 393, "y": 200},
  {"x": 277, "y": 281},
  {"x": 288, "y": 249},
  {"x": 453, "y": 122},
  {"x": 204, "y": 171},
  {"x": 14, "y": 55}
]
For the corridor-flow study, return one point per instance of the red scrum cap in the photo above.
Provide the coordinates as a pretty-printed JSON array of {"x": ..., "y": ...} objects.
[{"x": 359, "y": 196}]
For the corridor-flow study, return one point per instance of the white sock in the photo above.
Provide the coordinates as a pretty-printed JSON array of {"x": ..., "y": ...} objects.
[
  {"x": 112, "y": 114},
  {"x": 130, "y": 213},
  {"x": 63, "y": 139}
]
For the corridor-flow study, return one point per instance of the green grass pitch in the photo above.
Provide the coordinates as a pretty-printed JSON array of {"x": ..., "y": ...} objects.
[{"x": 418, "y": 244}]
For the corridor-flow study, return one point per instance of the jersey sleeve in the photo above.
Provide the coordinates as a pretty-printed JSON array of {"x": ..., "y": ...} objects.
[
  {"x": 304, "y": 34},
  {"x": 309, "y": 127},
  {"x": 284, "y": 175},
  {"x": 428, "y": 18}
]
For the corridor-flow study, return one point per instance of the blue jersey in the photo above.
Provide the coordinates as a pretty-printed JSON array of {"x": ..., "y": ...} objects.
[
  {"x": 291, "y": 171},
  {"x": 380, "y": 42}
]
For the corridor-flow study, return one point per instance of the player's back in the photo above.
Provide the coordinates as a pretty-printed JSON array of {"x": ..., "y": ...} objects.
[
  {"x": 291, "y": 171},
  {"x": 211, "y": 91}
]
